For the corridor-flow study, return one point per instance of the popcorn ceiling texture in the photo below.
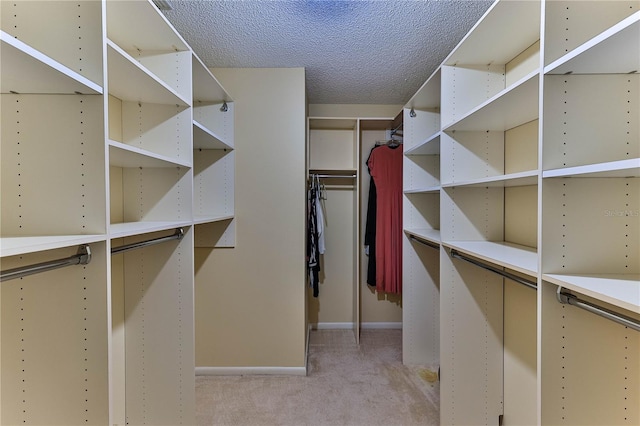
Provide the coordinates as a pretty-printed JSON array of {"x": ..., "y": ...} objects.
[{"x": 354, "y": 52}]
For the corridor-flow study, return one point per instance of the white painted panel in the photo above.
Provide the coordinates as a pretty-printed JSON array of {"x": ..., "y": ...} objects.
[
  {"x": 472, "y": 214},
  {"x": 521, "y": 215},
  {"x": 218, "y": 122},
  {"x": 521, "y": 148},
  {"x": 174, "y": 68},
  {"x": 159, "y": 337},
  {"x": 420, "y": 171},
  {"x": 471, "y": 352},
  {"x": 332, "y": 149},
  {"x": 417, "y": 129},
  {"x": 163, "y": 129},
  {"x": 421, "y": 211},
  {"x": 590, "y": 226},
  {"x": 472, "y": 155},
  {"x": 69, "y": 32},
  {"x": 520, "y": 355},
  {"x": 465, "y": 88},
  {"x": 590, "y": 119},
  {"x": 54, "y": 333},
  {"x": 420, "y": 304},
  {"x": 590, "y": 366},
  {"x": 213, "y": 182},
  {"x": 526, "y": 62},
  {"x": 157, "y": 194},
  {"x": 42, "y": 136},
  {"x": 569, "y": 24}
]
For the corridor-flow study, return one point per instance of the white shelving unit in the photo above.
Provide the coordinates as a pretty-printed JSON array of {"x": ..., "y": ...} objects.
[
  {"x": 528, "y": 190},
  {"x": 99, "y": 105},
  {"x": 334, "y": 152},
  {"x": 421, "y": 222}
]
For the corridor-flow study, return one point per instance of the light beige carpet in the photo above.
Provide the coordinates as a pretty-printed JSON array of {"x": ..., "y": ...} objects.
[{"x": 346, "y": 385}]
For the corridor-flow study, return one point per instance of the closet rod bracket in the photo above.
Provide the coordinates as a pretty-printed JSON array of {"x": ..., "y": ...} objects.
[
  {"x": 570, "y": 299},
  {"x": 82, "y": 257}
]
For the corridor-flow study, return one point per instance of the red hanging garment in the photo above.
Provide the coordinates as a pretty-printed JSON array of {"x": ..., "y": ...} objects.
[{"x": 385, "y": 164}]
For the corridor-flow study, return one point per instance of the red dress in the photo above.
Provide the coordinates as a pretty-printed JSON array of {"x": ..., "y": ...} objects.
[{"x": 385, "y": 164}]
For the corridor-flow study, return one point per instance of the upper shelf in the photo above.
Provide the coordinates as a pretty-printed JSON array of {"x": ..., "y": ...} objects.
[
  {"x": 505, "y": 30},
  {"x": 516, "y": 105},
  {"x": 130, "y": 81},
  {"x": 526, "y": 178},
  {"x": 154, "y": 33},
  {"x": 206, "y": 88},
  {"x": 204, "y": 138},
  {"x": 621, "y": 168},
  {"x": 123, "y": 155},
  {"x": 26, "y": 70},
  {"x": 428, "y": 96},
  {"x": 614, "y": 51},
  {"x": 430, "y": 146}
]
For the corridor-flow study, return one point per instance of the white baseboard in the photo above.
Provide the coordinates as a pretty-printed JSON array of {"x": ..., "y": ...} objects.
[
  {"x": 349, "y": 325},
  {"x": 251, "y": 371}
]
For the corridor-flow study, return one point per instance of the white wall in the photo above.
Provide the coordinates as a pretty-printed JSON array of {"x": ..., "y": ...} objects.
[{"x": 250, "y": 299}]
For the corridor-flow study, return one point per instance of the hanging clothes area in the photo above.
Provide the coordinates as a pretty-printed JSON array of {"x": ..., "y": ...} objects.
[{"x": 383, "y": 232}]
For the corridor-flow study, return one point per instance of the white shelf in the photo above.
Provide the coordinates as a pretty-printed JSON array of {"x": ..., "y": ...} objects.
[
  {"x": 426, "y": 190},
  {"x": 621, "y": 168},
  {"x": 430, "y": 146},
  {"x": 124, "y": 155},
  {"x": 154, "y": 33},
  {"x": 206, "y": 87},
  {"x": 513, "y": 179},
  {"x": 12, "y": 246},
  {"x": 331, "y": 123},
  {"x": 120, "y": 230},
  {"x": 428, "y": 96},
  {"x": 505, "y": 30},
  {"x": 130, "y": 81},
  {"x": 431, "y": 235},
  {"x": 204, "y": 138},
  {"x": 513, "y": 256},
  {"x": 26, "y": 70},
  {"x": 622, "y": 290},
  {"x": 516, "y": 105},
  {"x": 210, "y": 219},
  {"x": 603, "y": 54}
]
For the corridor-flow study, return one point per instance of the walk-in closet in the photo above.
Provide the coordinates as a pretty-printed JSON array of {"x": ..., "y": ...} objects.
[{"x": 164, "y": 219}]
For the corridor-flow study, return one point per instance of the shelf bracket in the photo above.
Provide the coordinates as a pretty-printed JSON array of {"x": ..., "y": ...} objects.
[{"x": 570, "y": 299}]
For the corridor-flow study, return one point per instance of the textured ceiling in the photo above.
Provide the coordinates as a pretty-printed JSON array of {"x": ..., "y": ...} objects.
[{"x": 354, "y": 52}]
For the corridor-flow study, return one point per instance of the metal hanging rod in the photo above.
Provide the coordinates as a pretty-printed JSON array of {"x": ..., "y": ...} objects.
[
  {"x": 528, "y": 283},
  {"x": 82, "y": 257},
  {"x": 425, "y": 243},
  {"x": 177, "y": 235},
  {"x": 570, "y": 299}
]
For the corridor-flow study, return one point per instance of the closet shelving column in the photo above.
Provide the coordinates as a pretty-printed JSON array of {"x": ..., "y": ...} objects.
[
  {"x": 54, "y": 323},
  {"x": 150, "y": 128},
  {"x": 590, "y": 219},
  {"x": 421, "y": 223},
  {"x": 488, "y": 210},
  {"x": 213, "y": 160},
  {"x": 333, "y": 150}
]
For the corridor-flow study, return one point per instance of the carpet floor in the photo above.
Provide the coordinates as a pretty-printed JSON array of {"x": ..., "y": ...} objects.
[{"x": 346, "y": 384}]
